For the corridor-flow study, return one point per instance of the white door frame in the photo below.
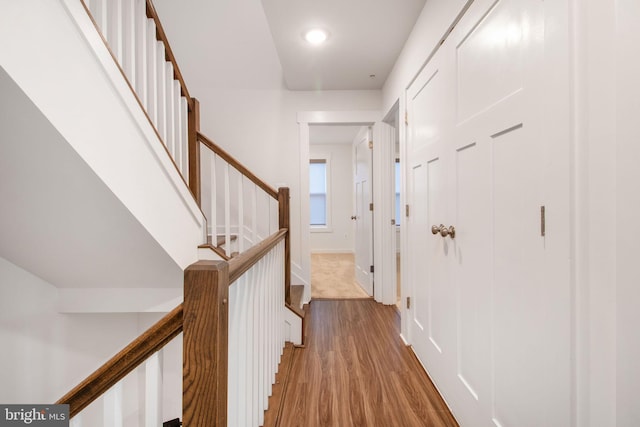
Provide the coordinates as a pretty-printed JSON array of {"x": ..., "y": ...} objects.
[{"x": 384, "y": 293}]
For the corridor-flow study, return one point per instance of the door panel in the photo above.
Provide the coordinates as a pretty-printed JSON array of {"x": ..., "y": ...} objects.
[
  {"x": 436, "y": 258},
  {"x": 433, "y": 322},
  {"x": 489, "y": 58},
  {"x": 364, "y": 224},
  {"x": 473, "y": 269},
  {"x": 517, "y": 258}
]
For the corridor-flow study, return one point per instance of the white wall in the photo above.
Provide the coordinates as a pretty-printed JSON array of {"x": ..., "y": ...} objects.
[
  {"x": 339, "y": 238},
  {"x": 595, "y": 186},
  {"x": 44, "y": 353},
  {"x": 628, "y": 212}
]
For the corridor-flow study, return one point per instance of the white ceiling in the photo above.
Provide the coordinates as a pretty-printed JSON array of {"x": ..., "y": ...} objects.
[{"x": 366, "y": 37}]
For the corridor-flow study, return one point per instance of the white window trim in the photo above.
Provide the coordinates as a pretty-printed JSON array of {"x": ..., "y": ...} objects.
[{"x": 327, "y": 228}]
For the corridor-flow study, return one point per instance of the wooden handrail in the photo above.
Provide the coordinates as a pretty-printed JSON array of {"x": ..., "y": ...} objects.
[
  {"x": 158, "y": 335},
  {"x": 236, "y": 164},
  {"x": 239, "y": 264},
  {"x": 161, "y": 36},
  {"x": 128, "y": 359}
]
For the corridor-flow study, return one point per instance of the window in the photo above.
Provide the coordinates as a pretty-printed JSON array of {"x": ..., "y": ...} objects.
[
  {"x": 318, "y": 205},
  {"x": 398, "y": 214}
]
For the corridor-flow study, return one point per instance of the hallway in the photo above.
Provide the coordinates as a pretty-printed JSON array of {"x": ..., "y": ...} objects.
[{"x": 356, "y": 371}]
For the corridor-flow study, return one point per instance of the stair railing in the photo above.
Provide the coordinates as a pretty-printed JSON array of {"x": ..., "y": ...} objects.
[
  {"x": 232, "y": 315},
  {"x": 232, "y": 325},
  {"x": 132, "y": 32},
  {"x": 240, "y": 207}
]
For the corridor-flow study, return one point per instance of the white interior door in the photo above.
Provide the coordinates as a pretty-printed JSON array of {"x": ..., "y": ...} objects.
[
  {"x": 433, "y": 327},
  {"x": 490, "y": 320},
  {"x": 363, "y": 215}
]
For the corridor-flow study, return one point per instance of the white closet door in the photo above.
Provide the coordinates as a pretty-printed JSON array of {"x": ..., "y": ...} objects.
[{"x": 491, "y": 317}]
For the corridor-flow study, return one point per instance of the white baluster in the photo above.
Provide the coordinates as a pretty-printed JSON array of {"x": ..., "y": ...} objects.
[
  {"x": 227, "y": 210},
  {"x": 153, "y": 391},
  {"x": 272, "y": 324},
  {"x": 162, "y": 91},
  {"x": 141, "y": 51},
  {"x": 113, "y": 406},
  {"x": 232, "y": 388},
  {"x": 76, "y": 421},
  {"x": 170, "y": 114},
  {"x": 184, "y": 136},
  {"x": 269, "y": 368},
  {"x": 257, "y": 331},
  {"x": 114, "y": 31},
  {"x": 275, "y": 220},
  {"x": 177, "y": 128},
  {"x": 254, "y": 215},
  {"x": 100, "y": 14},
  {"x": 129, "y": 46},
  {"x": 240, "y": 212},
  {"x": 243, "y": 354},
  {"x": 152, "y": 73},
  {"x": 214, "y": 198},
  {"x": 264, "y": 341}
]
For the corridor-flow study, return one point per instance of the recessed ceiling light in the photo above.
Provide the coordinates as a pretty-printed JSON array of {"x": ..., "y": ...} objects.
[{"x": 316, "y": 36}]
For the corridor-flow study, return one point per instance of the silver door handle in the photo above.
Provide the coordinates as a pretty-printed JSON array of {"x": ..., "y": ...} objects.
[
  {"x": 444, "y": 231},
  {"x": 451, "y": 232}
]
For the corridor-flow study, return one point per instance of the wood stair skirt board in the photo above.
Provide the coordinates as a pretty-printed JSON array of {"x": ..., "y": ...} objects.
[
  {"x": 294, "y": 317},
  {"x": 276, "y": 400}
]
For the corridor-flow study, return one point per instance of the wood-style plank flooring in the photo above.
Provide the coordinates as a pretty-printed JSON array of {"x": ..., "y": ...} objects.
[{"x": 356, "y": 371}]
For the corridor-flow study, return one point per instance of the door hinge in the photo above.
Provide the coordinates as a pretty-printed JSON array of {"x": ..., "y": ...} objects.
[
  {"x": 543, "y": 221},
  {"x": 371, "y": 144},
  {"x": 371, "y": 269},
  {"x": 393, "y": 222},
  {"x": 406, "y": 117},
  {"x": 371, "y": 206},
  {"x": 406, "y": 210},
  {"x": 408, "y": 302}
]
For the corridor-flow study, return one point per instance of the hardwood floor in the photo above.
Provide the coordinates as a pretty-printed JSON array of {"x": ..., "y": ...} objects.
[{"x": 356, "y": 371}]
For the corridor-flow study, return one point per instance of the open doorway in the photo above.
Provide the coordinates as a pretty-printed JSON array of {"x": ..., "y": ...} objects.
[
  {"x": 332, "y": 217},
  {"x": 381, "y": 256}
]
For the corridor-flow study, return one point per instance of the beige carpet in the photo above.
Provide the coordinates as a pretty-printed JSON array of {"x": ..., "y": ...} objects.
[{"x": 333, "y": 276}]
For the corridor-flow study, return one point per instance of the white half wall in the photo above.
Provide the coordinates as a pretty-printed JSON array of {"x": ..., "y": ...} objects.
[{"x": 339, "y": 237}]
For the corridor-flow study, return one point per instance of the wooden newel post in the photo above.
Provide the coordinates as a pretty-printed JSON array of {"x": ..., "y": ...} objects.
[
  {"x": 283, "y": 217},
  {"x": 194, "y": 151},
  {"x": 205, "y": 344}
]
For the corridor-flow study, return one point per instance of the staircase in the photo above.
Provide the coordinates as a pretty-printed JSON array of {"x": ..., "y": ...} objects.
[{"x": 239, "y": 308}]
